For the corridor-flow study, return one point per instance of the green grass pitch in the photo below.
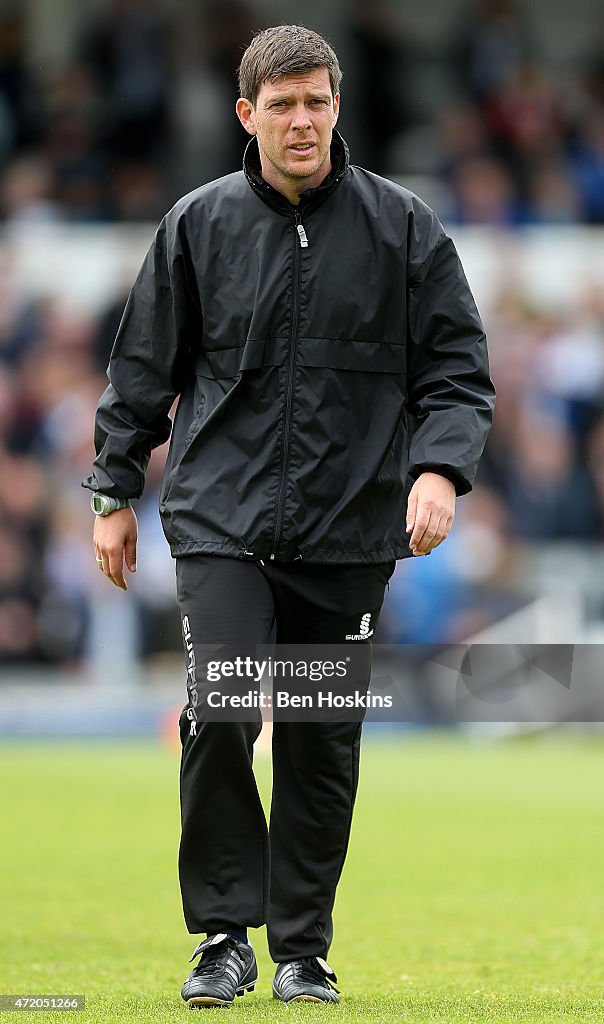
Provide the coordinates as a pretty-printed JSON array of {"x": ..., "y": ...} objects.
[{"x": 473, "y": 890}]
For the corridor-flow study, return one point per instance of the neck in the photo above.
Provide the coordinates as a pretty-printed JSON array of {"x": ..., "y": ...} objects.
[{"x": 291, "y": 188}]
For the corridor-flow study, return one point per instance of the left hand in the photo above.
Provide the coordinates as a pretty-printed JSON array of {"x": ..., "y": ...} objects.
[{"x": 430, "y": 512}]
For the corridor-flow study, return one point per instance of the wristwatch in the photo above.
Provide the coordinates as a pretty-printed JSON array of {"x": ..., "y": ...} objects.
[{"x": 103, "y": 505}]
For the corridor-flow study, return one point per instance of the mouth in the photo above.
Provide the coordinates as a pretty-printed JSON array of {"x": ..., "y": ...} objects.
[{"x": 301, "y": 147}]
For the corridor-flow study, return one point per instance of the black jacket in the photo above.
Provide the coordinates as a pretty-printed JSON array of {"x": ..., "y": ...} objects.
[{"x": 316, "y": 380}]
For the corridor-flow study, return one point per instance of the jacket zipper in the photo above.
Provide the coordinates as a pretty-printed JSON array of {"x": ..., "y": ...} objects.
[{"x": 300, "y": 242}]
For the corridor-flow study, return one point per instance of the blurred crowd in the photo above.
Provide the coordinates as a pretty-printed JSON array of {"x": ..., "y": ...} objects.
[
  {"x": 141, "y": 111},
  {"x": 135, "y": 119},
  {"x": 541, "y": 481}
]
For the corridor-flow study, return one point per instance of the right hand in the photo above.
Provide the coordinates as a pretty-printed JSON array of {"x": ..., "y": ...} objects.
[{"x": 114, "y": 538}]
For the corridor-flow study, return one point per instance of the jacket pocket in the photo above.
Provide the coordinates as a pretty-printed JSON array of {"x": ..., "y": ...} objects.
[
  {"x": 363, "y": 356},
  {"x": 218, "y": 364}
]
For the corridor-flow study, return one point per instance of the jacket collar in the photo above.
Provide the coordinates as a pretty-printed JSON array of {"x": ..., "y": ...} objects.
[{"x": 340, "y": 163}]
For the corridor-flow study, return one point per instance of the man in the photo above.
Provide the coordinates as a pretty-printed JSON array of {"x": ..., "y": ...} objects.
[{"x": 333, "y": 387}]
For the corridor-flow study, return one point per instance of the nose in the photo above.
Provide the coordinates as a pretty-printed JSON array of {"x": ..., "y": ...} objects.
[{"x": 300, "y": 118}]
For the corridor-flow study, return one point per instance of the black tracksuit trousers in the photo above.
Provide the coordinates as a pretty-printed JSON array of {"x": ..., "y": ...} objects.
[{"x": 233, "y": 871}]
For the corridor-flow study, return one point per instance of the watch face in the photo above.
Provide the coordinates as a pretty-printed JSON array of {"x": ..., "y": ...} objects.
[{"x": 97, "y": 503}]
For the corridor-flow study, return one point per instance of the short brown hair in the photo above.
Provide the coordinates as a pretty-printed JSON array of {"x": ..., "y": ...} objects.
[{"x": 285, "y": 50}]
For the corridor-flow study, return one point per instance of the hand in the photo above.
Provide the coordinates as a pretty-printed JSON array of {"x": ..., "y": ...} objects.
[
  {"x": 114, "y": 538},
  {"x": 430, "y": 512}
]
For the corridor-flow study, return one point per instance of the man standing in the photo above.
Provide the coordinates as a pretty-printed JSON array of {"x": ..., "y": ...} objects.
[{"x": 334, "y": 394}]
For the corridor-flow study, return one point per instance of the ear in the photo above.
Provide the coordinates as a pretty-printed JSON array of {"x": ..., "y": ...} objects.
[
  {"x": 246, "y": 114},
  {"x": 336, "y": 108}
]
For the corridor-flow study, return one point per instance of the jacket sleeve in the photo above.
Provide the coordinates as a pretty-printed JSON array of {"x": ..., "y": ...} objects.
[
  {"x": 450, "y": 393},
  {"x": 148, "y": 367}
]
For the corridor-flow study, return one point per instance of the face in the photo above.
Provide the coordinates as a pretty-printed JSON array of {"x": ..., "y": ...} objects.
[{"x": 293, "y": 119}]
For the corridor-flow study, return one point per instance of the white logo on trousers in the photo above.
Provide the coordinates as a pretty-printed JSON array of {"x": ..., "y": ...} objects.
[
  {"x": 191, "y": 676},
  {"x": 364, "y": 631}
]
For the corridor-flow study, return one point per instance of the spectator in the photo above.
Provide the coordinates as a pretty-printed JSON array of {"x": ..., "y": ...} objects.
[
  {"x": 128, "y": 50},
  {"x": 587, "y": 166},
  {"x": 16, "y": 85},
  {"x": 595, "y": 465},
  {"x": 26, "y": 195},
  {"x": 528, "y": 118},
  {"x": 494, "y": 43},
  {"x": 383, "y": 82},
  {"x": 548, "y": 491},
  {"x": 552, "y": 196},
  {"x": 483, "y": 193}
]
